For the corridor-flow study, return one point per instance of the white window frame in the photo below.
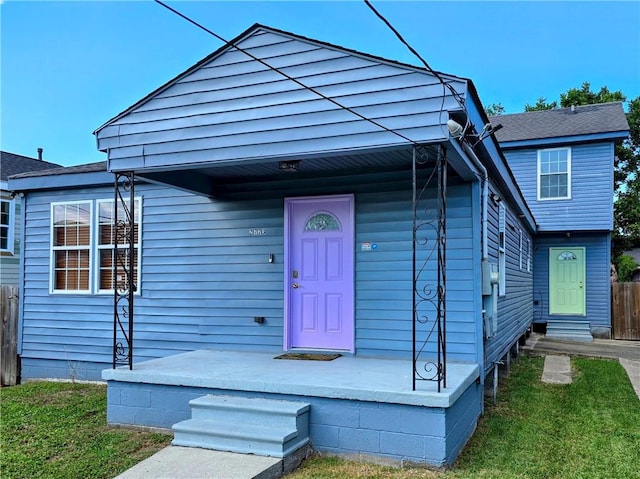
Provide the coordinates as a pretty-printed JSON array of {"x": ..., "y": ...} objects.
[
  {"x": 568, "y": 173},
  {"x": 10, "y": 226},
  {"x": 525, "y": 252},
  {"x": 520, "y": 246},
  {"x": 53, "y": 249},
  {"x": 94, "y": 248},
  {"x": 98, "y": 247},
  {"x": 502, "y": 250}
]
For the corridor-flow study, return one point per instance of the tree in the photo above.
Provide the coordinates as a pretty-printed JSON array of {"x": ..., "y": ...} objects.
[
  {"x": 626, "y": 213},
  {"x": 626, "y": 217},
  {"x": 541, "y": 104},
  {"x": 584, "y": 96},
  {"x": 494, "y": 109}
]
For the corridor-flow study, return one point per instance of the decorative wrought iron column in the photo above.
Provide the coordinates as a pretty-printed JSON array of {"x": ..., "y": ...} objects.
[
  {"x": 429, "y": 265},
  {"x": 123, "y": 273}
]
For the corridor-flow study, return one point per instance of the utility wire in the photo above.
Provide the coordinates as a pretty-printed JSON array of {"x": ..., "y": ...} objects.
[
  {"x": 455, "y": 94},
  {"x": 289, "y": 77}
]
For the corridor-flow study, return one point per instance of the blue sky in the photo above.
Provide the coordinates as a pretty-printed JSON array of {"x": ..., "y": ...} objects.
[{"x": 68, "y": 67}]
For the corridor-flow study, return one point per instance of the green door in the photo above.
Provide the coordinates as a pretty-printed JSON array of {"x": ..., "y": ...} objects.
[{"x": 567, "y": 281}]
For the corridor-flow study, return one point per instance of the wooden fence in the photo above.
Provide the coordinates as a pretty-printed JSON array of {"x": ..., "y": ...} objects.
[
  {"x": 625, "y": 305},
  {"x": 9, "y": 336}
]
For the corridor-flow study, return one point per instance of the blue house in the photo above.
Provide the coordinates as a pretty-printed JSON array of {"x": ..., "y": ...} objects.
[
  {"x": 295, "y": 229},
  {"x": 11, "y": 212},
  {"x": 563, "y": 162}
]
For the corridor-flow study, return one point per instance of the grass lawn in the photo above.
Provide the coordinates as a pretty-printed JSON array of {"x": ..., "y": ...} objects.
[
  {"x": 59, "y": 430},
  {"x": 587, "y": 429}
]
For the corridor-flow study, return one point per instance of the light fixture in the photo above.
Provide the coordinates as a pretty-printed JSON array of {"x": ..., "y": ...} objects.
[
  {"x": 455, "y": 128},
  {"x": 290, "y": 166},
  {"x": 495, "y": 198}
]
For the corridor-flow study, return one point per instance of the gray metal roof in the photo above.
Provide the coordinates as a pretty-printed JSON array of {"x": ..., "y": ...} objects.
[
  {"x": 12, "y": 164},
  {"x": 65, "y": 170},
  {"x": 562, "y": 122}
]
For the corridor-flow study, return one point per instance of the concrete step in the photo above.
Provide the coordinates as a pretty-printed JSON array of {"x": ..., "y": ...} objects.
[
  {"x": 239, "y": 409},
  {"x": 245, "y": 425},
  {"x": 569, "y": 331}
]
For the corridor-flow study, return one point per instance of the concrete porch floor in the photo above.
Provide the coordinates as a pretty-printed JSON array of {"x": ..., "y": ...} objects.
[{"x": 364, "y": 379}]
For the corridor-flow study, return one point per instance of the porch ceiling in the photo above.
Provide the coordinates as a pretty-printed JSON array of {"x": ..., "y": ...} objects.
[
  {"x": 364, "y": 379},
  {"x": 204, "y": 178}
]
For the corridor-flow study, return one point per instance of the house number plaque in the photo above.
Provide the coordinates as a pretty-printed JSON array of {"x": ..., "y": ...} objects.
[{"x": 257, "y": 232}]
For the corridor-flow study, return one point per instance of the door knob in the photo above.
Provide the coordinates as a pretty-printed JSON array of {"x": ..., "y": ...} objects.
[{"x": 295, "y": 285}]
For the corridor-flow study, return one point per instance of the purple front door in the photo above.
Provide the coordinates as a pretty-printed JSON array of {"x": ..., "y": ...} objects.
[{"x": 319, "y": 273}]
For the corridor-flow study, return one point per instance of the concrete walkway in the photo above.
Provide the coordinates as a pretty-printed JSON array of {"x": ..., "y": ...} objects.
[
  {"x": 175, "y": 462},
  {"x": 627, "y": 352},
  {"x": 557, "y": 369}
]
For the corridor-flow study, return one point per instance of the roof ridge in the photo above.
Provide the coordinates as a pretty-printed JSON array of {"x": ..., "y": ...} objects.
[{"x": 608, "y": 103}]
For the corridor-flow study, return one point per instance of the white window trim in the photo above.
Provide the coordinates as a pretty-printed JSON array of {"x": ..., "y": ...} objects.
[
  {"x": 520, "y": 248},
  {"x": 10, "y": 227},
  {"x": 93, "y": 248},
  {"x": 538, "y": 173},
  {"x": 53, "y": 249},
  {"x": 137, "y": 211},
  {"x": 502, "y": 250},
  {"x": 525, "y": 252}
]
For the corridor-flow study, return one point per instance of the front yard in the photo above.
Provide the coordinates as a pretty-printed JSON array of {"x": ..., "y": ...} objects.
[
  {"x": 59, "y": 430},
  {"x": 588, "y": 429}
]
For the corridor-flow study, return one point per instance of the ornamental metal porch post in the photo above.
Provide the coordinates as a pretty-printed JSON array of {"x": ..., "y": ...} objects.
[
  {"x": 123, "y": 272},
  {"x": 429, "y": 176}
]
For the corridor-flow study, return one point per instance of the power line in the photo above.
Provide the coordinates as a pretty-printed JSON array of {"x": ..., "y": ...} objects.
[
  {"x": 289, "y": 77},
  {"x": 455, "y": 94}
]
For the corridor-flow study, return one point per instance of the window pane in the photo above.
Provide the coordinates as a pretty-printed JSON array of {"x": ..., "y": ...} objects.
[
  {"x": 322, "y": 221},
  {"x": 105, "y": 212},
  {"x": 563, "y": 155},
  {"x": 59, "y": 236},
  {"x": 60, "y": 280},
  {"x": 4, "y": 213},
  {"x": 4, "y": 237},
  {"x": 544, "y": 163}
]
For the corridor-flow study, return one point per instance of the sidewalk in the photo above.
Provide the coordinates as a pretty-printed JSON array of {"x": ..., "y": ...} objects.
[
  {"x": 627, "y": 352},
  {"x": 599, "y": 348},
  {"x": 175, "y": 462}
]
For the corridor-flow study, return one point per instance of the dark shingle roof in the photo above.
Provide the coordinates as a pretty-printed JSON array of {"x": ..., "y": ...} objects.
[
  {"x": 585, "y": 120},
  {"x": 66, "y": 170},
  {"x": 12, "y": 164}
]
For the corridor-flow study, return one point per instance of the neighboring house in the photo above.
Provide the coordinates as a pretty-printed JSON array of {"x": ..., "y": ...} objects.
[
  {"x": 265, "y": 218},
  {"x": 563, "y": 161},
  {"x": 11, "y": 213}
]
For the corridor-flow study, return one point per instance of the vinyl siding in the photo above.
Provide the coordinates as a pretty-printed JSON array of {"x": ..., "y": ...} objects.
[
  {"x": 598, "y": 274},
  {"x": 233, "y": 108},
  {"x": 204, "y": 277},
  {"x": 515, "y": 308},
  {"x": 591, "y": 205}
]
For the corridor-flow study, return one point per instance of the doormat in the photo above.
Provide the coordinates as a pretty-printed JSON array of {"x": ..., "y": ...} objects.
[{"x": 309, "y": 356}]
